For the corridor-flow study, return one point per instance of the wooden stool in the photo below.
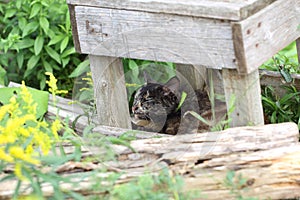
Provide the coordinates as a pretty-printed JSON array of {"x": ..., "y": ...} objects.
[{"x": 233, "y": 36}]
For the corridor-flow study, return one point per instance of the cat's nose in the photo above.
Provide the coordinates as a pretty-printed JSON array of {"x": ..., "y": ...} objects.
[{"x": 134, "y": 109}]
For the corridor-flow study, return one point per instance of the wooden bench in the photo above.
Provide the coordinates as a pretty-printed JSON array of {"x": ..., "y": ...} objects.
[{"x": 233, "y": 36}]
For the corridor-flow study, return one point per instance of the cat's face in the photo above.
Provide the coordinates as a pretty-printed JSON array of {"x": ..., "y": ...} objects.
[{"x": 153, "y": 102}]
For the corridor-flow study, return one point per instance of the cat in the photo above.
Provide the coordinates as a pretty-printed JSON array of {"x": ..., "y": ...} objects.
[{"x": 155, "y": 108}]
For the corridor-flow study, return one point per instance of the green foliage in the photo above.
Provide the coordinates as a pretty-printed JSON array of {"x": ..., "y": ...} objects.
[
  {"x": 36, "y": 37},
  {"x": 40, "y": 97},
  {"x": 236, "y": 184},
  {"x": 286, "y": 58},
  {"x": 133, "y": 69},
  {"x": 282, "y": 109},
  {"x": 162, "y": 186},
  {"x": 26, "y": 144}
]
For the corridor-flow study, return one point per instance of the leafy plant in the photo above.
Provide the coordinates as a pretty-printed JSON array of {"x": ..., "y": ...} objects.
[
  {"x": 26, "y": 144},
  {"x": 236, "y": 184},
  {"x": 35, "y": 37},
  {"x": 133, "y": 69},
  {"x": 162, "y": 186},
  {"x": 287, "y": 58},
  {"x": 282, "y": 109}
]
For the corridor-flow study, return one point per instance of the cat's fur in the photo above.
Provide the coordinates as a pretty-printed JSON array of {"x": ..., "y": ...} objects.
[{"x": 155, "y": 108}]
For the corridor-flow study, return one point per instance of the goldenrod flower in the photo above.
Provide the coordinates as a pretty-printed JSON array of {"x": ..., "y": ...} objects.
[
  {"x": 55, "y": 127},
  {"x": 19, "y": 153},
  {"x": 18, "y": 171},
  {"x": 4, "y": 156},
  {"x": 53, "y": 87}
]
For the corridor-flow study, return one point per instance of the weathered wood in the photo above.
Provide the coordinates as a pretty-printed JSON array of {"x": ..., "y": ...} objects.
[
  {"x": 220, "y": 9},
  {"x": 259, "y": 37},
  {"x": 74, "y": 27},
  {"x": 155, "y": 36},
  {"x": 266, "y": 156},
  {"x": 110, "y": 91},
  {"x": 195, "y": 75},
  {"x": 246, "y": 91}
]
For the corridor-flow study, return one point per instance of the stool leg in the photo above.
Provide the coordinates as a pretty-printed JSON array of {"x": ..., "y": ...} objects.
[
  {"x": 110, "y": 91},
  {"x": 246, "y": 89}
]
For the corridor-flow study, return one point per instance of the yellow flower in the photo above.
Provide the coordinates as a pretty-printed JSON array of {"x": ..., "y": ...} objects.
[
  {"x": 53, "y": 86},
  {"x": 19, "y": 153},
  {"x": 18, "y": 172},
  {"x": 55, "y": 127},
  {"x": 4, "y": 156}
]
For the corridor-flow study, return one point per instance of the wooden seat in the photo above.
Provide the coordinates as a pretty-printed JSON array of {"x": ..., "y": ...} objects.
[{"x": 233, "y": 36}]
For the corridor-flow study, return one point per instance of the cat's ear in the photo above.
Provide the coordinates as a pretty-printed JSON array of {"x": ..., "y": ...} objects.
[
  {"x": 147, "y": 78},
  {"x": 173, "y": 84}
]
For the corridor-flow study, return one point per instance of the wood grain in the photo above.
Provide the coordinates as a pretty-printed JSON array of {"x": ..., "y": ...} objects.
[
  {"x": 110, "y": 91},
  {"x": 246, "y": 91},
  {"x": 155, "y": 36},
  {"x": 263, "y": 34},
  {"x": 267, "y": 157},
  {"x": 218, "y": 9}
]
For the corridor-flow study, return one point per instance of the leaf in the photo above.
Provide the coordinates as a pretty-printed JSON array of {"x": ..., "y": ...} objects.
[
  {"x": 68, "y": 52},
  {"x": 65, "y": 61},
  {"x": 47, "y": 66},
  {"x": 197, "y": 116},
  {"x": 40, "y": 97},
  {"x": 25, "y": 43},
  {"x": 56, "y": 39},
  {"x": 35, "y": 10},
  {"x": 2, "y": 75},
  {"x": 19, "y": 3},
  {"x": 22, "y": 23},
  {"x": 29, "y": 28},
  {"x": 53, "y": 54},
  {"x": 44, "y": 23},
  {"x": 183, "y": 97},
  {"x": 38, "y": 44},
  {"x": 20, "y": 59},
  {"x": 32, "y": 62},
  {"x": 80, "y": 69},
  {"x": 10, "y": 12},
  {"x": 68, "y": 21},
  {"x": 134, "y": 68},
  {"x": 64, "y": 44}
]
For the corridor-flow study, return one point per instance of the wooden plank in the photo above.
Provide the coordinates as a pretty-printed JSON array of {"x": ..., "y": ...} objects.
[
  {"x": 110, "y": 91},
  {"x": 267, "y": 157},
  {"x": 262, "y": 35},
  {"x": 194, "y": 75},
  {"x": 246, "y": 90},
  {"x": 74, "y": 28},
  {"x": 159, "y": 37},
  {"x": 218, "y": 9},
  {"x": 213, "y": 144}
]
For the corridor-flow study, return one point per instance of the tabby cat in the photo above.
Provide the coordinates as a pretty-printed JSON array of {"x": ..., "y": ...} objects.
[{"x": 155, "y": 108}]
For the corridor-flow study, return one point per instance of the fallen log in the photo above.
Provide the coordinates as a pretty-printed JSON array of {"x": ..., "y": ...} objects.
[{"x": 266, "y": 157}]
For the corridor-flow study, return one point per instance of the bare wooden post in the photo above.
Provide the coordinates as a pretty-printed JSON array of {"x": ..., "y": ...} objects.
[
  {"x": 246, "y": 89},
  {"x": 298, "y": 49},
  {"x": 196, "y": 76},
  {"x": 110, "y": 91}
]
